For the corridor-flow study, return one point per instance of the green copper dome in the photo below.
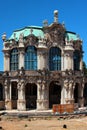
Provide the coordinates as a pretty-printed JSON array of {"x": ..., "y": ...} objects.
[
  {"x": 38, "y": 32},
  {"x": 71, "y": 36},
  {"x": 35, "y": 30}
]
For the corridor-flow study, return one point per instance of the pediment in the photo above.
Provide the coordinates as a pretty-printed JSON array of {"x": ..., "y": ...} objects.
[{"x": 30, "y": 39}]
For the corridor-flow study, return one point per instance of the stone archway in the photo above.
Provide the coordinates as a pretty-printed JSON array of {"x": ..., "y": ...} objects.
[
  {"x": 85, "y": 94},
  {"x": 14, "y": 94},
  {"x": 31, "y": 95},
  {"x": 54, "y": 93},
  {"x": 76, "y": 93}
]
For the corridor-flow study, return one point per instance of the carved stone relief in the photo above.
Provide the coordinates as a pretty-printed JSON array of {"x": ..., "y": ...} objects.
[
  {"x": 31, "y": 40},
  {"x": 55, "y": 35}
]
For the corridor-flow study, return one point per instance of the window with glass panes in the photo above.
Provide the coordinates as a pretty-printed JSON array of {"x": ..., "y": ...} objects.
[
  {"x": 14, "y": 59},
  {"x": 55, "y": 58},
  {"x": 31, "y": 58},
  {"x": 76, "y": 60}
]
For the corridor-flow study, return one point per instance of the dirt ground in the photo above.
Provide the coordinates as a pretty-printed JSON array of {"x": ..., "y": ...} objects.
[{"x": 48, "y": 123}]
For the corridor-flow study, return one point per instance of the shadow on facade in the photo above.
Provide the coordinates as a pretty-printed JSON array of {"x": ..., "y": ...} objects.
[
  {"x": 14, "y": 95},
  {"x": 31, "y": 95},
  {"x": 54, "y": 93},
  {"x": 85, "y": 94},
  {"x": 76, "y": 93}
]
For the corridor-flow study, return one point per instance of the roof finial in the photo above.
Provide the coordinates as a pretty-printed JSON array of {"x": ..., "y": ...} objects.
[
  {"x": 56, "y": 16},
  {"x": 4, "y": 37}
]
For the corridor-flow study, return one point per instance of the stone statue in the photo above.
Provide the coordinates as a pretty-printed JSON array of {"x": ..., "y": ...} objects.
[
  {"x": 21, "y": 85},
  {"x": 71, "y": 84},
  {"x": 6, "y": 85},
  {"x": 21, "y": 38},
  {"x": 66, "y": 83}
]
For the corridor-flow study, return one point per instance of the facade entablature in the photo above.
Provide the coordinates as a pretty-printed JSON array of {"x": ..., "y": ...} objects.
[{"x": 29, "y": 40}]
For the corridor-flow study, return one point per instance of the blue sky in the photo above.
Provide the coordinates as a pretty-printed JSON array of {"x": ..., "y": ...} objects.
[{"x": 16, "y": 14}]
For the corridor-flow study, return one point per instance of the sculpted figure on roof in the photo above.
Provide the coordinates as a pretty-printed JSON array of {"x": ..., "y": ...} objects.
[{"x": 21, "y": 37}]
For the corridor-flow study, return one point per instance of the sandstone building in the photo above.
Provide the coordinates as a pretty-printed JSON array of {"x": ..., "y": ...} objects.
[{"x": 42, "y": 66}]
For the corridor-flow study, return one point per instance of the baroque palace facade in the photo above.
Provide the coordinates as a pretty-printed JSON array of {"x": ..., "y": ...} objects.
[{"x": 42, "y": 66}]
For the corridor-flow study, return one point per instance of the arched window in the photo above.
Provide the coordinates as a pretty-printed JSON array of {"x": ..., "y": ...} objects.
[
  {"x": 30, "y": 58},
  {"x": 76, "y": 60},
  {"x": 14, "y": 59},
  {"x": 55, "y": 59},
  {"x": 1, "y": 92}
]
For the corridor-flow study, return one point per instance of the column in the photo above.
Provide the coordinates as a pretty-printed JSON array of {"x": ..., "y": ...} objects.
[
  {"x": 8, "y": 103},
  {"x": 21, "y": 103}
]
